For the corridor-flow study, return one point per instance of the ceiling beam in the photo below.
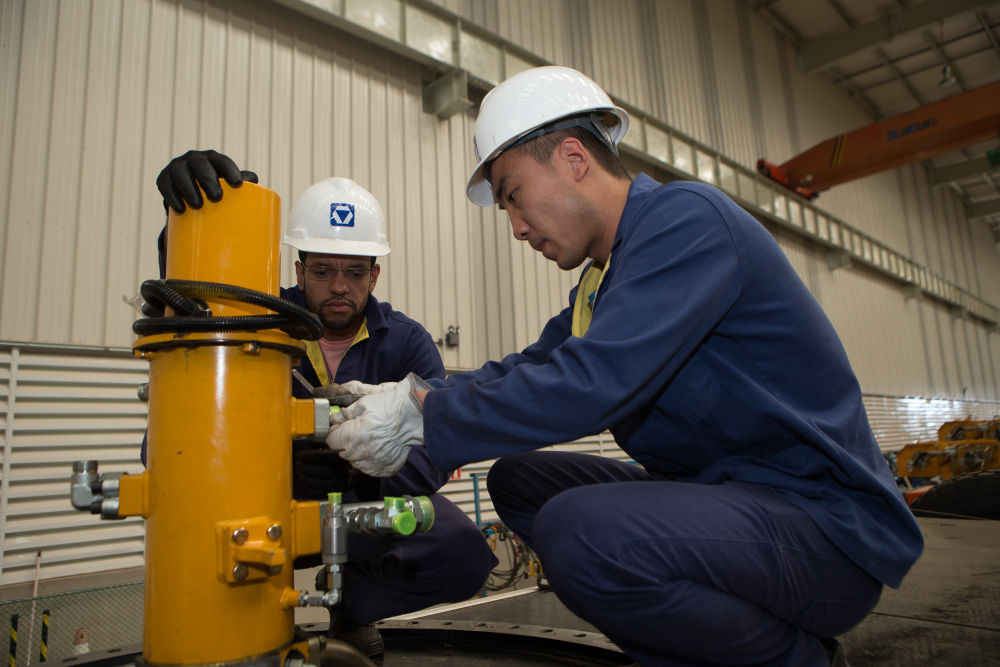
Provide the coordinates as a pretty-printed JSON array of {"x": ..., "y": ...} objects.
[
  {"x": 852, "y": 89},
  {"x": 989, "y": 33},
  {"x": 904, "y": 81},
  {"x": 778, "y": 23},
  {"x": 821, "y": 52},
  {"x": 995, "y": 228},
  {"x": 981, "y": 208},
  {"x": 967, "y": 169},
  {"x": 944, "y": 59}
]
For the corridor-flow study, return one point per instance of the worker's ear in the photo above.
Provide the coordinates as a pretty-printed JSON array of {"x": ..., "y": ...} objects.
[
  {"x": 376, "y": 270},
  {"x": 300, "y": 275},
  {"x": 572, "y": 153}
]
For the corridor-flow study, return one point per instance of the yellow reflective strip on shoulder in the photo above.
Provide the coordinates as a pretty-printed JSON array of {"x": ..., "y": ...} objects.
[
  {"x": 362, "y": 333},
  {"x": 318, "y": 361},
  {"x": 583, "y": 309}
]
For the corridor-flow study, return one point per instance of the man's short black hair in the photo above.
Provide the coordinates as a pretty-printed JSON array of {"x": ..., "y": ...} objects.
[
  {"x": 541, "y": 149},
  {"x": 542, "y": 142}
]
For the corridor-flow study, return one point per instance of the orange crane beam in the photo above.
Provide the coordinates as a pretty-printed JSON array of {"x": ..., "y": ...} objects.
[{"x": 951, "y": 123}]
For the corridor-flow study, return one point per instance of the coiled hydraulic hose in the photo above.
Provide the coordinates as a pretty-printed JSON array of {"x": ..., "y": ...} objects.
[{"x": 193, "y": 316}]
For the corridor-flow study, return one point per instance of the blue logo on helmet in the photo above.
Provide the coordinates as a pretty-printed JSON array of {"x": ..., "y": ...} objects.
[{"x": 341, "y": 215}]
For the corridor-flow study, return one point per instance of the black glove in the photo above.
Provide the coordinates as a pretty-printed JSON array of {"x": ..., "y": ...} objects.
[{"x": 179, "y": 180}]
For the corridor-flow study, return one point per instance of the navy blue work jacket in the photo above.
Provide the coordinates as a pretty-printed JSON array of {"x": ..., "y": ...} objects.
[
  {"x": 396, "y": 346},
  {"x": 709, "y": 361}
]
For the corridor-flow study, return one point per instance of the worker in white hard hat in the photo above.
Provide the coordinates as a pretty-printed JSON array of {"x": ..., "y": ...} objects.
[
  {"x": 761, "y": 520},
  {"x": 339, "y": 231}
]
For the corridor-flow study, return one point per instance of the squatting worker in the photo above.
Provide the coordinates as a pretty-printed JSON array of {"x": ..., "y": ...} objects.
[
  {"x": 762, "y": 519},
  {"x": 339, "y": 231}
]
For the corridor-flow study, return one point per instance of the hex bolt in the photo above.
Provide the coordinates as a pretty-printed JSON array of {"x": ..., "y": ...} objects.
[
  {"x": 240, "y": 535},
  {"x": 274, "y": 531},
  {"x": 240, "y": 572}
]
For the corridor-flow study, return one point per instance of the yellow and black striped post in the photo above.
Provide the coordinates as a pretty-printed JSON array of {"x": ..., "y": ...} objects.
[
  {"x": 43, "y": 650},
  {"x": 13, "y": 641}
]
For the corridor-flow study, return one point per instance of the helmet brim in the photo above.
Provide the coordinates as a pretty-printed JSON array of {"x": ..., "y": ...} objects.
[{"x": 339, "y": 247}]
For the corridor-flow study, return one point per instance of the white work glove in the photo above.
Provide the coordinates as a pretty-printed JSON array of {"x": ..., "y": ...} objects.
[
  {"x": 375, "y": 433},
  {"x": 349, "y": 392}
]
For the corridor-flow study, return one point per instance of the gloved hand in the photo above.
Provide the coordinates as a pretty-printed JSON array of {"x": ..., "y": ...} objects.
[
  {"x": 376, "y": 432},
  {"x": 179, "y": 180},
  {"x": 347, "y": 393}
]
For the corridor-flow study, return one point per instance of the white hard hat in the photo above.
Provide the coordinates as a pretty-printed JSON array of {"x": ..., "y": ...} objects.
[
  {"x": 530, "y": 100},
  {"x": 337, "y": 217}
]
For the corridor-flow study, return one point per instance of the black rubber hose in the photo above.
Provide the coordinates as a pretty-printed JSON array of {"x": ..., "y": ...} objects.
[
  {"x": 291, "y": 318},
  {"x": 159, "y": 296}
]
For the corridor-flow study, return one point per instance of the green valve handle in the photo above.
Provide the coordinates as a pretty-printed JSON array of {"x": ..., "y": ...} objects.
[
  {"x": 334, "y": 410},
  {"x": 334, "y": 497},
  {"x": 404, "y": 523},
  {"x": 395, "y": 503}
]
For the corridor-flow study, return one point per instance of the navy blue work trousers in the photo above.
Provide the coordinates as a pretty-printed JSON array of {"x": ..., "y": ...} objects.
[{"x": 678, "y": 573}]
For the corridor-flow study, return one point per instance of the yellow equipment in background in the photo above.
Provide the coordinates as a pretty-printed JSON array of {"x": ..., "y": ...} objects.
[
  {"x": 961, "y": 447},
  {"x": 222, "y": 530}
]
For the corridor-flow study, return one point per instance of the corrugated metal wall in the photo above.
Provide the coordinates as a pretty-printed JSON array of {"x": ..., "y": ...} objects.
[{"x": 99, "y": 94}]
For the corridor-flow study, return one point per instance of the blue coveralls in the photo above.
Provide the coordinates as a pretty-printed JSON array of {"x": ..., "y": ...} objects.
[{"x": 762, "y": 515}]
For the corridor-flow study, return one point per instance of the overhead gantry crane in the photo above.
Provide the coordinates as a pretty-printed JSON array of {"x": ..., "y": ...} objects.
[{"x": 954, "y": 122}]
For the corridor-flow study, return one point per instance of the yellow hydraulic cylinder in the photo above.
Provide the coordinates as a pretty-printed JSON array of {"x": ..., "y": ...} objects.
[
  {"x": 233, "y": 241},
  {"x": 220, "y": 538}
]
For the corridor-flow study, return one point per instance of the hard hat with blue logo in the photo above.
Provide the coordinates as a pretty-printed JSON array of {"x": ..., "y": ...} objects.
[
  {"x": 533, "y": 102},
  {"x": 337, "y": 217}
]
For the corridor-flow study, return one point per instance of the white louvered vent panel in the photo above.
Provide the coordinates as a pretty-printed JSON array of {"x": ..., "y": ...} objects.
[
  {"x": 898, "y": 422},
  {"x": 66, "y": 405}
]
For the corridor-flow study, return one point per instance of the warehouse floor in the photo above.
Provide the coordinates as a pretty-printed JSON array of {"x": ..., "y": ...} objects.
[{"x": 946, "y": 614}]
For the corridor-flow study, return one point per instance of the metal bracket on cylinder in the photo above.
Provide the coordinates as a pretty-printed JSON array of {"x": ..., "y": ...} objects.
[{"x": 250, "y": 549}]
